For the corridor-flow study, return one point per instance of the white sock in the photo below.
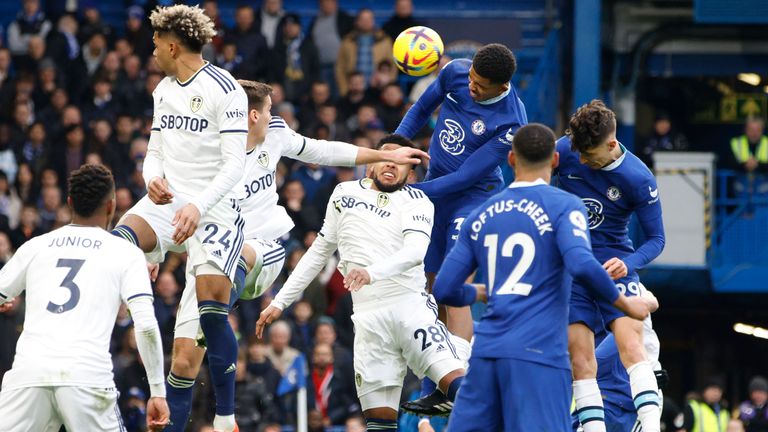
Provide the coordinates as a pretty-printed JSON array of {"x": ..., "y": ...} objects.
[
  {"x": 463, "y": 349},
  {"x": 589, "y": 405},
  {"x": 645, "y": 393},
  {"x": 224, "y": 423}
]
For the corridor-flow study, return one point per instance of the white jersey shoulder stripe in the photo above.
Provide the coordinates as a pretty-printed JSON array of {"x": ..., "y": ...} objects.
[
  {"x": 223, "y": 82},
  {"x": 277, "y": 122}
]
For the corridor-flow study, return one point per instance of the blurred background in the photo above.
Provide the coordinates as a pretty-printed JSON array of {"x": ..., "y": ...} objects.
[{"x": 688, "y": 80}]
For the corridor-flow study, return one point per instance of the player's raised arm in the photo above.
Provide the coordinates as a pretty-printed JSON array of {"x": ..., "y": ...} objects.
[
  {"x": 152, "y": 172},
  {"x": 649, "y": 215},
  {"x": 307, "y": 269},
  {"x": 486, "y": 159},
  {"x": 573, "y": 241},
  {"x": 449, "y": 288},
  {"x": 418, "y": 115}
]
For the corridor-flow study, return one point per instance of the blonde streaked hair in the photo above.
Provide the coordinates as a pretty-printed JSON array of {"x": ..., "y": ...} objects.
[{"x": 189, "y": 24}]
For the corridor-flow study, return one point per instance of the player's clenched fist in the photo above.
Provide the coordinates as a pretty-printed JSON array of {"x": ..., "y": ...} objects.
[
  {"x": 267, "y": 316},
  {"x": 616, "y": 268},
  {"x": 159, "y": 191},
  {"x": 185, "y": 221},
  {"x": 356, "y": 279},
  {"x": 158, "y": 414}
]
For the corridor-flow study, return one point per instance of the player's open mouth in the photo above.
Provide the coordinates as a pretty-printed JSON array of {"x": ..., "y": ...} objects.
[{"x": 388, "y": 175}]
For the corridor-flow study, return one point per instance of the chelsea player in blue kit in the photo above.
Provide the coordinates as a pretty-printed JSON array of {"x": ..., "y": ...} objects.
[
  {"x": 480, "y": 113},
  {"x": 613, "y": 183},
  {"x": 530, "y": 239}
]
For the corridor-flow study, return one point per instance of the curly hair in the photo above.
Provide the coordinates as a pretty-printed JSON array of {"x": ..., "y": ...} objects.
[
  {"x": 89, "y": 187},
  {"x": 590, "y": 125},
  {"x": 188, "y": 23},
  {"x": 495, "y": 62},
  {"x": 257, "y": 93},
  {"x": 534, "y": 143},
  {"x": 395, "y": 139}
]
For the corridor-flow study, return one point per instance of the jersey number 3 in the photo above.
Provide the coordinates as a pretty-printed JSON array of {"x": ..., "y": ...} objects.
[
  {"x": 74, "y": 291},
  {"x": 512, "y": 285}
]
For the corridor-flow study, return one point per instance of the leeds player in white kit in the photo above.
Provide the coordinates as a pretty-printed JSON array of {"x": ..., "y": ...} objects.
[
  {"x": 196, "y": 156},
  {"x": 76, "y": 278},
  {"x": 381, "y": 229},
  {"x": 269, "y": 139}
]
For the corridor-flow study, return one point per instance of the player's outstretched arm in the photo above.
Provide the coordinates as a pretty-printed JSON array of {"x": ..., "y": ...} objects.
[
  {"x": 482, "y": 161},
  {"x": 449, "y": 288},
  {"x": 412, "y": 253}
]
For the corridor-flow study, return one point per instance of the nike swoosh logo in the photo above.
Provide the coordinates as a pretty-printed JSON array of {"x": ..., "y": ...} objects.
[
  {"x": 418, "y": 61},
  {"x": 452, "y": 99},
  {"x": 573, "y": 177}
]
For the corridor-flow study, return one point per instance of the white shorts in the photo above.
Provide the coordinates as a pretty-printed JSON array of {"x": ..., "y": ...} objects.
[
  {"x": 402, "y": 334},
  {"x": 270, "y": 257},
  {"x": 46, "y": 409},
  {"x": 217, "y": 241}
]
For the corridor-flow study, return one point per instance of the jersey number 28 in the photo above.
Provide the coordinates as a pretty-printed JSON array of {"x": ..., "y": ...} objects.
[{"x": 512, "y": 284}]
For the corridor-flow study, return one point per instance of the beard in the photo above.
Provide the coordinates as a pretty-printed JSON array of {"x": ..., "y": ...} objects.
[{"x": 387, "y": 187}]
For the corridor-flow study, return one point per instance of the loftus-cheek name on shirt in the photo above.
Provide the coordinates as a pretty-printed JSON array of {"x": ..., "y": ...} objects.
[
  {"x": 82, "y": 242},
  {"x": 526, "y": 206}
]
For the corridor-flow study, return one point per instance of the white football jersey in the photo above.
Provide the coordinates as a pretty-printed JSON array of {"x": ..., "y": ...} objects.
[
  {"x": 356, "y": 211},
  {"x": 75, "y": 279},
  {"x": 191, "y": 118},
  {"x": 265, "y": 219}
]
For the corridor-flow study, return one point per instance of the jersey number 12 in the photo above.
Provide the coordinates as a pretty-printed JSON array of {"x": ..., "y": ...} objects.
[{"x": 512, "y": 284}]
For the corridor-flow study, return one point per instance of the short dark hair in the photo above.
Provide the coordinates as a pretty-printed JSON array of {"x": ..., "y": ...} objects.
[
  {"x": 257, "y": 93},
  {"x": 534, "y": 143},
  {"x": 495, "y": 62},
  {"x": 90, "y": 186},
  {"x": 590, "y": 125},
  {"x": 395, "y": 139}
]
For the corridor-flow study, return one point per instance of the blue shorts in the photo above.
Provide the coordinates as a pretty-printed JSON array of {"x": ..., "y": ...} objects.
[
  {"x": 450, "y": 212},
  {"x": 512, "y": 395},
  {"x": 596, "y": 312}
]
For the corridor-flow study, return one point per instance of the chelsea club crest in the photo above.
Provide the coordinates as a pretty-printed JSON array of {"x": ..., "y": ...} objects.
[
  {"x": 613, "y": 193},
  {"x": 196, "y": 103},
  {"x": 263, "y": 159},
  {"x": 478, "y": 127}
]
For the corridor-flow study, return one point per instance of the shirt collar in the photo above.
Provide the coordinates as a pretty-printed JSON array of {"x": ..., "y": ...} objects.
[
  {"x": 520, "y": 184},
  {"x": 615, "y": 164},
  {"x": 497, "y": 98}
]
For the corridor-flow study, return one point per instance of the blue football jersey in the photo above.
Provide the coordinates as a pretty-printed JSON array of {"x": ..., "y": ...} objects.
[
  {"x": 464, "y": 126},
  {"x": 518, "y": 238},
  {"x": 611, "y": 195}
]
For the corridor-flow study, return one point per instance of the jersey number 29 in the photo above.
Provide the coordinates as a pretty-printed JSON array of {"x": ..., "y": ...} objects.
[{"x": 512, "y": 285}]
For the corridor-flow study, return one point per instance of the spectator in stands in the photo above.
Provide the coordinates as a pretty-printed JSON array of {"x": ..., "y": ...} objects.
[
  {"x": 63, "y": 47},
  {"x": 28, "y": 63},
  {"x": 302, "y": 336},
  {"x": 123, "y": 202},
  {"x": 210, "y": 51},
  {"x": 328, "y": 115},
  {"x": 325, "y": 332},
  {"x": 69, "y": 155},
  {"x": 51, "y": 201},
  {"x": 8, "y": 162},
  {"x": 10, "y": 207},
  {"x": 143, "y": 104},
  {"x": 6, "y": 75},
  {"x": 320, "y": 94},
  {"x": 138, "y": 33},
  {"x": 749, "y": 152},
  {"x": 23, "y": 117},
  {"x": 664, "y": 138},
  {"x": 362, "y": 50},
  {"x": 366, "y": 119},
  {"x": 343, "y": 174},
  {"x": 293, "y": 198},
  {"x": 34, "y": 151},
  {"x": 259, "y": 366},
  {"x": 709, "y": 414},
  {"x": 135, "y": 411},
  {"x": 355, "y": 96},
  {"x": 250, "y": 43},
  {"x": 130, "y": 81},
  {"x": 24, "y": 185},
  {"x": 287, "y": 111},
  {"x": 102, "y": 106},
  {"x": 50, "y": 116},
  {"x": 401, "y": 20},
  {"x": 229, "y": 59},
  {"x": 29, "y": 226},
  {"x": 279, "y": 352},
  {"x": 29, "y": 22},
  {"x": 327, "y": 29},
  {"x": 295, "y": 62},
  {"x": 754, "y": 412},
  {"x": 92, "y": 23},
  {"x": 93, "y": 53},
  {"x": 48, "y": 81},
  {"x": 332, "y": 386},
  {"x": 166, "y": 293},
  {"x": 391, "y": 107},
  {"x": 268, "y": 21},
  {"x": 253, "y": 398}
]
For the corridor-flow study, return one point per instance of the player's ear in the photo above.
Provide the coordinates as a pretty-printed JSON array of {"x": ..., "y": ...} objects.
[
  {"x": 555, "y": 160},
  {"x": 253, "y": 115},
  {"x": 69, "y": 202},
  {"x": 511, "y": 158}
]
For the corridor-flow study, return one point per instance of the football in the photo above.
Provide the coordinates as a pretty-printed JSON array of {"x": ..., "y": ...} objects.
[{"x": 417, "y": 51}]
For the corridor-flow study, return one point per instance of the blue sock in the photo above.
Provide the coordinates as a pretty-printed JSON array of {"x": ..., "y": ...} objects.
[
  {"x": 239, "y": 285},
  {"x": 453, "y": 388},
  {"x": 125, "y": 232},
  {"x": 222, "y": 353},
  {"x": 380, "y": 424},
  {"x": 179, "y": 396},
  {"x": 427, "y": 387}
]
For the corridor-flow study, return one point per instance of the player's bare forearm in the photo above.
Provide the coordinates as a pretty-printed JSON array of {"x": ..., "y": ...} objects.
[{"x": 403, "y": 155}]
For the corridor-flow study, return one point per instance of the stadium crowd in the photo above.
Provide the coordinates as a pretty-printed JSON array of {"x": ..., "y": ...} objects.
[{"x": 75, "y": 90}]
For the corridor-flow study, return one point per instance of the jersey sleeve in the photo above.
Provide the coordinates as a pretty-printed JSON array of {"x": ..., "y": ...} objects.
[
  {"x": 233, "y": 133},
  {"x": 419, "y": 215},
  {"x": 563, "y": 147},
  {"x": 648, "y": 211},
  {"x": 134, "y": 283},
  {"x": 490, "y": 155},
  {"x": 461, "y": 261},
  {"x": 572, "y": 236},
  {"x": 153, "y": 161},
  {"x": 419, "y": 113},
  {"x": 13, "y": 276},
  {"x": 310, "y": 150}
]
